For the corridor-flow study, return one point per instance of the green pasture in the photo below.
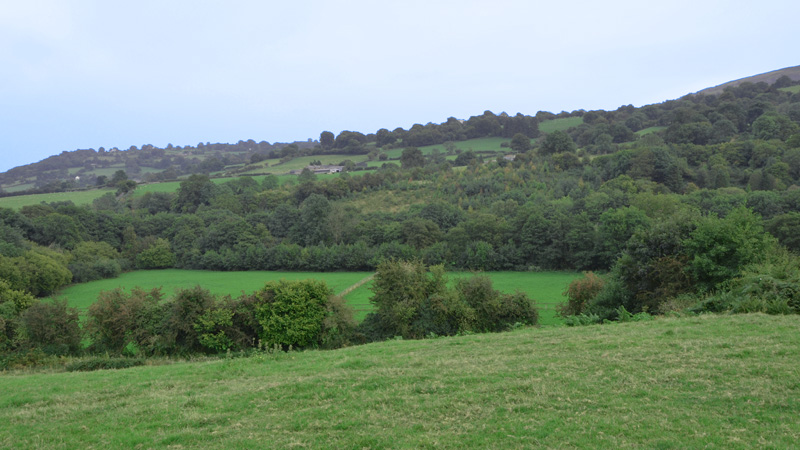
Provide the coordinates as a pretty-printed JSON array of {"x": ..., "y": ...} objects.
[
  {"x": 712, "y": 382},
  {"x": 19, "y": 187},
  {"x": 77, "y": 197},
  {"x": 650, "y": 130},
  {"x": 274, "y": 165},
  {"x": 544, "y": 287},
  {"x": 489, "y": 144},
  {"x": 548, "y": 126},
  {"x": 83, "y": 295},
  {"x": 792, "y": 89}
]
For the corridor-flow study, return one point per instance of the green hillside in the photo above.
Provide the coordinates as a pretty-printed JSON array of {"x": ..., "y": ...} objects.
[{"x": 701, "y": 382}]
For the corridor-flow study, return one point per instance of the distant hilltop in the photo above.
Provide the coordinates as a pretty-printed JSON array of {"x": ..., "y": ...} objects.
[{"x": 769, "y": 77}]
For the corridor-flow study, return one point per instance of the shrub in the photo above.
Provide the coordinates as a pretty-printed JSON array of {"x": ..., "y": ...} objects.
[
  {"x": 53, "y": 327},
  {"x": 119, "y": 320},
  {"x": 339, "y": 324},
  {"x": 183, "y": 311},
  {"x": 771, "y": 287},
  {"x": 579, "y": 293},
  {"x": 158, "y": 256},
  {"x": 291, "y": 313},
  {"x": 581, "y": 320},
  {"x": 413, "y": 301},
  {"x": 494, "y": 310}
]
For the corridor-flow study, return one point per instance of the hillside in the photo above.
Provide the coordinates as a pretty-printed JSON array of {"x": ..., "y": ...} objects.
[
  {"x": 793, "y": 73},
  {"x": 701, "y": 382}
]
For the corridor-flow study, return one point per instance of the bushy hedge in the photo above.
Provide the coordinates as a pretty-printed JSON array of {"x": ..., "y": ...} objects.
[{"x": 413, "y": 301}]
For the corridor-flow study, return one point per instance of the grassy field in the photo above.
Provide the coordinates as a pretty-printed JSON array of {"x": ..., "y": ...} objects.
[
  {"x": 489, "y": 144},
  {"x": 650, "y": 130},
  {"x": 792, "y": 89},
  {"x": 716, "y": 382},
  {"x": 77, "y": 197},
  {"x": 548, "y": 126},
  {"x": 222, "y": 283},
  {"x": 544, "y": 287}
]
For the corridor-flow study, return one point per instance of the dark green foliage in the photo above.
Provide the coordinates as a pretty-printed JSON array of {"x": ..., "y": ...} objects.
[
  {"x": 771, "y": 286},
  {"x": 157, "y": 256},
  {"x": 579, "y": 294},
  {"x": 581, "y": 320},
  {"x": 412, "y": 157},
  {"x": 181, "y": 314},
  {"x": 719, "y": 248},
  {"x": 195, "y": 191},
  {"x": 52, "y": 327},
  {"x": 119, "y": 322},
  {"x": 291, "y": 313},
  {"x": 494, "y": 310},
  {"x": 413, "y": 301},
  {"x": 94, "y": 261},
  {"x": 557, "y": 142},
  {"x": 520, "y": 143}
]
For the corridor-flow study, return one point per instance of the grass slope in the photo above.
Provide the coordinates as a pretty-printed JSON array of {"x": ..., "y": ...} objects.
[
  {"x": 77, "y": 197},
  {"x": 725, "y": 382}
]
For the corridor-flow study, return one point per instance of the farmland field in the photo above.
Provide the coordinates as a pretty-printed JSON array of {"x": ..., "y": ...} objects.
[
  {"x": 544, "y": 287},
  {"x": 489, "y": 144},
  {"x": 77, "y": 197},
  {"x": 650, "y": 130},
  {"x": 221, "y": 283},
  {"x": 699, "y": 382},
  {"x": 548, "y": 126}
]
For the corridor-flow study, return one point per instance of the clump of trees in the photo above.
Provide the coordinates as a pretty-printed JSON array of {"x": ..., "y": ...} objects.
[{"x": 413, "y": 300}]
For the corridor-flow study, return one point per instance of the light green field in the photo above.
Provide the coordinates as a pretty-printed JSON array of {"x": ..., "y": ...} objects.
[
  {"x": 650, "y": 130},
  {"x": 19, "y": 187},
  {"x": 77, "y": 197},
  {"x": 544, "y": 287},
  {"x": 792, "y": 89},
  {"x": 302, "y": 162},
  {"x": 489, "y": 144},
  {"x": 713, "y": 382},
  {"x": 221, "y": 283},
  {"x": 548, "y": 126}
]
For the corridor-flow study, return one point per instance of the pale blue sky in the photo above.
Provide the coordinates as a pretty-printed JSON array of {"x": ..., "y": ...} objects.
[{"x": 85, "y": 74}]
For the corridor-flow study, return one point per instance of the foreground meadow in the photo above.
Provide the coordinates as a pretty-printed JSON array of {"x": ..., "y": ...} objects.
[{"x": 700, "y": 382}]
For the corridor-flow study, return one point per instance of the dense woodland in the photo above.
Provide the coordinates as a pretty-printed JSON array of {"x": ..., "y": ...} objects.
[{"x": 691, "y": 203}]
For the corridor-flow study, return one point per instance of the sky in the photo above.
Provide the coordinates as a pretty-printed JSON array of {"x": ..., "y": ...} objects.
[{"x": 78, "y": 74}]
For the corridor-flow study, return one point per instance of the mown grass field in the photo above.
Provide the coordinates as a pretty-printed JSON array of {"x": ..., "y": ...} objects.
[
  {"x": 548, "y": 126},
  {"x": 649, "y": 130},
  {"x": 544, "y": 287},
  {"x": 83, "y": 295},
  {"x": 488, "y": 144},
  {"x": 715, "y": 382},
  {"x": 77, "y": 197}
]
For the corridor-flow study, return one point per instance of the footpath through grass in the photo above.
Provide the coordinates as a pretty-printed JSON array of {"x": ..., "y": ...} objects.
[{"x": 719, "y": 382}]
